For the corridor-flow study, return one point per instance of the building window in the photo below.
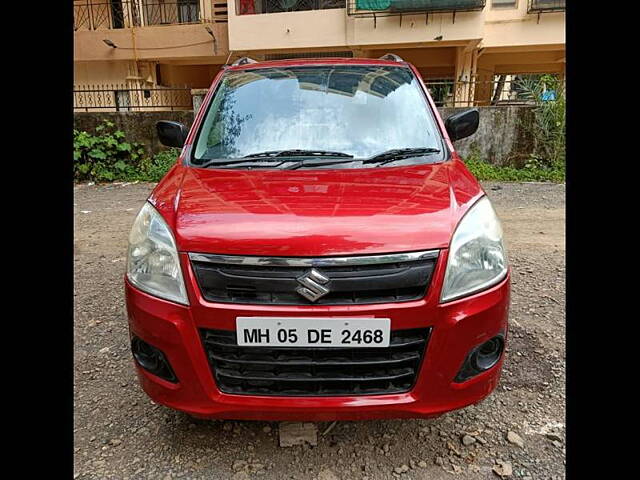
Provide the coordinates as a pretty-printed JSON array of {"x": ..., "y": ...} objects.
[
  {"x": 123, "y": 100},
  {"x": 159, "y": 81},
  {"x": 504, "y": 3},
  {"x": 188, "y": 11}
]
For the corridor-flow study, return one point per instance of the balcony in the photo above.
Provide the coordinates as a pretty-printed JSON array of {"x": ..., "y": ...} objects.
[
  {"x": 373, "y": 8},
  {"x": 154, "y": 30},
  {"x": 251, "y": 7},
  {"x": 540, "y": 6},
  {"x": 115, "y": 14}
]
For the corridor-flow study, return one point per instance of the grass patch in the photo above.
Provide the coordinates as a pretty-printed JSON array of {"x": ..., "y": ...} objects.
[{"x": 486, "y": 171}]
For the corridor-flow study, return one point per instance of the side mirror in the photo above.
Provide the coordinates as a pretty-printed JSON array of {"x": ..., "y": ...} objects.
[
  {"x": 463, "y": 124},
  {"x": 172, "y": 134}
]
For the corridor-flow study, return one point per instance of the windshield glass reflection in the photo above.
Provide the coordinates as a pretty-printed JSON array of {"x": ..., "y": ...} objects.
[{"x": 358, "y": 110}]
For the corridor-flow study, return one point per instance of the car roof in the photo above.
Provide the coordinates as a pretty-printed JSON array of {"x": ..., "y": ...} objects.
[{"x": 298, "y": 62}]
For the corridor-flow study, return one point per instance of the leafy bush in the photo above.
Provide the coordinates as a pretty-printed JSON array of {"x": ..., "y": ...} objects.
[
  {"x": 153, "y": 169},
  {"x": 104, "y": 156}
]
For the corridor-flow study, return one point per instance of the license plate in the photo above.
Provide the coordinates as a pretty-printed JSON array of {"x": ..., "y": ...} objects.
[{"x": 313, "y": 332}]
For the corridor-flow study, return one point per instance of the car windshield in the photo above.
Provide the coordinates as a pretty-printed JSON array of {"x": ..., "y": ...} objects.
[{"x": 333, "y": 110}]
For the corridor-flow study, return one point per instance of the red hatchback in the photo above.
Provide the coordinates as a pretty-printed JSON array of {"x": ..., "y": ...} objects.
[{"x": 319, "y": 251}]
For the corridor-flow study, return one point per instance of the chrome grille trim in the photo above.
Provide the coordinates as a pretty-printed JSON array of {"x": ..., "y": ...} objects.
[{"x": 315, "y": 261}]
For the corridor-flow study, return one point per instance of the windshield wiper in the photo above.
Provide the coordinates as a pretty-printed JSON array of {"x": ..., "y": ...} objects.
[
  {"x": 381, "y": 158},
  {"x": 399, "y": 154},
  {"x": 217, "y": 162},
  {"x": 277, "y": 156},
  {"x": 298, "y": 153},
  {"x": 317, "y": 162}
]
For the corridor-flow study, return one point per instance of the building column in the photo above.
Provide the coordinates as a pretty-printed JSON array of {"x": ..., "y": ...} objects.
[
  {"x": 466, "y": 59},
  {"x": 483, "y": 86}
]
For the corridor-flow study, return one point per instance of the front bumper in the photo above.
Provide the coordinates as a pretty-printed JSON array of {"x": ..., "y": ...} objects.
[{"x": 457, "y": 327}]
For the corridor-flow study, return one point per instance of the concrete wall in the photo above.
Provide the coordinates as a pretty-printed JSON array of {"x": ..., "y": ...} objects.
[{"x": 501, "y": 138}]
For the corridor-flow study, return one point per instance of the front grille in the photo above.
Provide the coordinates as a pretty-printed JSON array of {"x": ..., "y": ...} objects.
[
  {"x": 315, "y": 371},
  {"x": 360, "y": 283}
]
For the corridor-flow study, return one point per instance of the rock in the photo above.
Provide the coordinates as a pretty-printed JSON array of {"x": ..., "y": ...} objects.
[
  {"x": 401, "y": 469},
  {"x": 503, "y": 469},
  {"x": 239, "y": 465},
  {"x": 468, "y": 440},
  {"x": 422, "y": 464},
  {"x": 267, "y": 429},
  {"x": 439, "y": 461},
  {"x": 241, "y": 476},
  {"x": 327, "y": 474},
  {"x": 296, "y": 433},
  {"x": 513, "y": 437},
  {"x": 554, "y": 437}
]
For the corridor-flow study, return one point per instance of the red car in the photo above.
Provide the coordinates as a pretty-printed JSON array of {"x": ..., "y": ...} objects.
[{"x": 318, "y": 252}]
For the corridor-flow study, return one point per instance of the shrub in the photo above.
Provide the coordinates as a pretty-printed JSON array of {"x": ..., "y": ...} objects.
[
  {"x": 153, "y": 169},
  {"x": 104, "y": 155},
  {"x": 548, "y": 126}
]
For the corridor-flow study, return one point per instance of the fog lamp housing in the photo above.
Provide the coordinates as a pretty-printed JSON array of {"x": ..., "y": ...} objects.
[
  {"x": 152, "y": 359},
  {"x": 481, "y": 358}
]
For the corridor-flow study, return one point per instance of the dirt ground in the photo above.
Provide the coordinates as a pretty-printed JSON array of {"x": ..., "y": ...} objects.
[{"x": 120, "y": 434}]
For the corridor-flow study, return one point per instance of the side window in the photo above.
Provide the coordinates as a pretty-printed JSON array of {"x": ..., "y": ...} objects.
[{"x": 504, "y": 3}]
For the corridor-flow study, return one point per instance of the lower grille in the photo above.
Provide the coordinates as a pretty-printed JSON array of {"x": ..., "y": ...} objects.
[{"x": 315, "y": 371}]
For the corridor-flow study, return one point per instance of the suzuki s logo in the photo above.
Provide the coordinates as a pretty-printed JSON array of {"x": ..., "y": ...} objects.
[{"x": 312, "y": 285}]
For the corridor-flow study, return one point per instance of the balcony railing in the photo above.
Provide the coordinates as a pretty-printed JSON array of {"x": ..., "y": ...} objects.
[
  {"x": 498, "y": 91},
  {"x": 124, "y": 98},
  {"x": 539, "y": 6},
  {"x": 88, "y": 15},
  {"x": 372, "y": 8},
  {"x": 250, "y": 7}
]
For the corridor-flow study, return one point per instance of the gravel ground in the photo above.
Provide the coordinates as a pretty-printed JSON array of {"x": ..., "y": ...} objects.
[{"x": 119, "y": 433}]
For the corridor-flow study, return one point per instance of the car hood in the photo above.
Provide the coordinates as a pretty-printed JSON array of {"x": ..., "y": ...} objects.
[{"x": 315, "y": 212}]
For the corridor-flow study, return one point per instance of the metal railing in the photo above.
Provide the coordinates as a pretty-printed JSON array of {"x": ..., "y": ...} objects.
[
  {"x": 123, "y": 98},
  {"x": 250, "y": 7},
  {"x": 113, "y": 14},
  {"x": 540, "y": 6},
  {"x": 501, "y": 90},
  {"x": 382, "y": 8}
]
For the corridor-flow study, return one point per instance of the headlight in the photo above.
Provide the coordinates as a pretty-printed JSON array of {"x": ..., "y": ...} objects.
[
  {"x": 477, "y": 258},
  {"x": 152, "y": 264}
]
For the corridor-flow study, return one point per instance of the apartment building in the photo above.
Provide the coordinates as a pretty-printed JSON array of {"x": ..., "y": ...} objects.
[{"x": 142, "y": 47}]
